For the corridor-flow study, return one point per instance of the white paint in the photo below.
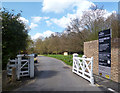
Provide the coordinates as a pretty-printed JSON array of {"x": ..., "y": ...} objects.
[
  {"x": 80, "y": 66},
  {"x": 31, "y": 65},
  {"x": 108, "y": 61},
  {"x": 112, "y": 90},
  {"x": 18, "y": 64}
]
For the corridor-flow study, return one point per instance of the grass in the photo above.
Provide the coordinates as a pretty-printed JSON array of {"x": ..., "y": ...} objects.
[{"x": 67, "y": 59}]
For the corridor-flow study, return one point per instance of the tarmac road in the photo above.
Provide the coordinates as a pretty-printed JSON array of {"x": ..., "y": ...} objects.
[{"x": 52, "y": 75}]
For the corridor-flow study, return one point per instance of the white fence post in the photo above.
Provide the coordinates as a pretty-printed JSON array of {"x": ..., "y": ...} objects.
[
  {"x": 74, "y": 55},
  {"x": 92, "y": 78},
  {"x": 31, "y": 62},
  {"x": 16, "y": 60},
  {"x": 83, "y": 64},
  {"x": 19, "y": 66}
]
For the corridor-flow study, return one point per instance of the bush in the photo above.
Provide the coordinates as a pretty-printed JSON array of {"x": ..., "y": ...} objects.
[{"x": 14, "y": 36}]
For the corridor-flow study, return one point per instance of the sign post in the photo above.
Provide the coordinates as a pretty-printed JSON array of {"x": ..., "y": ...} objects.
[{"x": 105, "y": 53}]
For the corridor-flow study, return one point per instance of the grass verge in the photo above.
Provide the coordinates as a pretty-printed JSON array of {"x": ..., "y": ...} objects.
[{"x": 67, "y": 59}]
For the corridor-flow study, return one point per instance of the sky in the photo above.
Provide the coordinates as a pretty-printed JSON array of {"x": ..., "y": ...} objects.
[{"x": 49, "y": 16}]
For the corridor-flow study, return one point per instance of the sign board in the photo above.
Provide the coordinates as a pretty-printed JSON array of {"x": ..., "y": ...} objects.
[{"x": 105, "y": 53}]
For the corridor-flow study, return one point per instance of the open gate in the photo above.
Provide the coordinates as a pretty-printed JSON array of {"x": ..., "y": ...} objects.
[{"x": 83, "y": 67}]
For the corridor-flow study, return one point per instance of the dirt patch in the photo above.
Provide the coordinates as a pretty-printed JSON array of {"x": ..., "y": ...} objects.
[
  {"x": 23, "y": 81},
  {"x": 12, "y": 86}
]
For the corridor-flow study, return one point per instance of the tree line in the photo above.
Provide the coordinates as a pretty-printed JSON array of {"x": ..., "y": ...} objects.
[
  {"x": 79, "y": 31},
  {"x": 15, "y": 36}
]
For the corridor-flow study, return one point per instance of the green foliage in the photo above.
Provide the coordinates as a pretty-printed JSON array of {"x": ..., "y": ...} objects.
[
  {"x": 72, "y": 42},
  {"x": 14, "y": 36},
  {"x": 79, "y": 31},
  {"x": 67, "y": 59}
]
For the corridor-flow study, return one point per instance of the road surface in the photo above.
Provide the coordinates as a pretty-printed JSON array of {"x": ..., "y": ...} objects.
[{"x": 52, "y": 75}]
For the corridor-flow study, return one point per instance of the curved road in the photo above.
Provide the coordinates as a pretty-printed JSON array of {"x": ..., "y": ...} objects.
[{"x": 52, "y": 75}]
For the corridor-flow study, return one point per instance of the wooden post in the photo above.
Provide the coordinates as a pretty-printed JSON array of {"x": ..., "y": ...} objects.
[
  {"x": 4, "y": 79},
  {"x": 13, "y": 74}
]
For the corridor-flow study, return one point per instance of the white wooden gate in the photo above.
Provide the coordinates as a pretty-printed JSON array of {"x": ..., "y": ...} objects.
[
  {"x": 10, "y": 65},
  {"x": 24, "y": 67},
  {"x": 83, "y": 67}
]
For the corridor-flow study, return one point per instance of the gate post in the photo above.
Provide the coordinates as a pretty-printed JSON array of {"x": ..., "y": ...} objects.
[
  {"x": 74, "y": 55},
  {"x": 31, "y": 62},
  {"x": 92, "y": 78},
  {"x": 19, "y": 66},
  {"x": 14, "y": 74}
]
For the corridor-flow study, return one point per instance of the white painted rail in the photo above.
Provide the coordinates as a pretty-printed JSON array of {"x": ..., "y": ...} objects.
[
  {"x": 83, "y": 67},
  {"x": 24, "y": 67},
  {"x": 10, "y": 65}
]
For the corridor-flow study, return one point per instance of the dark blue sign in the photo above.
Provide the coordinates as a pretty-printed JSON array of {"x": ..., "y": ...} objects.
[
  {"x": 105, "y": 48},
  {"x": 105, "y": 53}
]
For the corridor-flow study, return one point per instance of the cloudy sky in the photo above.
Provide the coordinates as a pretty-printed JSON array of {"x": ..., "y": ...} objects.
[{"x": 49, "y": 16}]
